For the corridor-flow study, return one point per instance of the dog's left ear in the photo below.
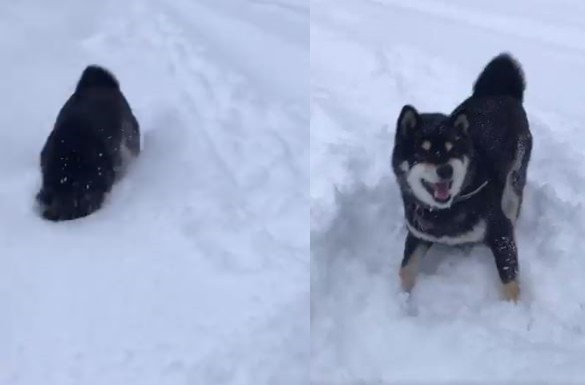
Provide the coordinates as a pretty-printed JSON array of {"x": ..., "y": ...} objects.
[
  {"x": 461, "y": 122},
  {"x": 408, "y": 119}
]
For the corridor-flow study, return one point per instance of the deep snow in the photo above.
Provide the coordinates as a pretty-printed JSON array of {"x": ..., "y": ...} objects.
[
  {"x": 368, "y": 58},
  {"x": 196, "y": 270}
]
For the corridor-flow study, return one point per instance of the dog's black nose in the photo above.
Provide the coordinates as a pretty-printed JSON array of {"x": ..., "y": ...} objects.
[{"x": 445, "y": 171}]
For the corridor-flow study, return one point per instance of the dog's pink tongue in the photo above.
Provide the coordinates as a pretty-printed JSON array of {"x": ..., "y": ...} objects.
[{"x": 442, "y": 190}]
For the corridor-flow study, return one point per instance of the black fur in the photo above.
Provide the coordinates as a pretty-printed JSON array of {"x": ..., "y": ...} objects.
[
  {"x": 84, "y": 154},
  {"x": 496, "y": 133},
  {"x": 503, "y": 76},
  {"x": 95, "y": 76}
]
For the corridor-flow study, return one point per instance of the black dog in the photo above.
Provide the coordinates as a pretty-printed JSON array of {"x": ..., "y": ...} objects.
[
  {"x": 462, "y": 176},
  {"x": 94, "y": 137}
]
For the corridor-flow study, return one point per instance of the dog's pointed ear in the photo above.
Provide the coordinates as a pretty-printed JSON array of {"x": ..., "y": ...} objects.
[
  {"x": 461, "y": 122},
  {"x": 408, "y": 119}
]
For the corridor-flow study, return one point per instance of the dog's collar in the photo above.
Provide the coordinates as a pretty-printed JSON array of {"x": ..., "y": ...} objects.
[{"x": 470, "y": 194}]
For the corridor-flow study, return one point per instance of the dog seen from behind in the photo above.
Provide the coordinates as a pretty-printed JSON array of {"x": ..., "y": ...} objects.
[
  {"x": 94, "y": 138},
  {"x": 462, "y": 175}
]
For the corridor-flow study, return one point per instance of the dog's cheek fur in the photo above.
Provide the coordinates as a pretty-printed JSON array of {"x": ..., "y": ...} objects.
[{"x": 414, "y": 180}]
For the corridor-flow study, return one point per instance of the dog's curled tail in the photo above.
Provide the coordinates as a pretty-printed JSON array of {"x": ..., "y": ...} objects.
[
  {"x": 503, "y": 76},
  {"x": 96, "y": 76}
]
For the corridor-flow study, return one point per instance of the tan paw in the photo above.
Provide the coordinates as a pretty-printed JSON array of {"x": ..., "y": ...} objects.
[
  {"x": 512, "y": 291},
  {"x": 407, "y": 278}
]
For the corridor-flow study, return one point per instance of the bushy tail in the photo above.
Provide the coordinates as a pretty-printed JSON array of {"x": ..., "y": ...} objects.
[
  {"x": 96, "y": 76},
  {"x": 503, "y": 76}
]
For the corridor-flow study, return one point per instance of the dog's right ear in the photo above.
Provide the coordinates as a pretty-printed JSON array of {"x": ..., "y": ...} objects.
[
  {"x": 461, "y": 122},
  {"x": 408, "y": 119}
]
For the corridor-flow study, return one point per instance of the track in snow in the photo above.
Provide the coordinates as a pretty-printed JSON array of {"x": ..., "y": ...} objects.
[
  {"x": 368, "y": 58},
  {"x": 200, "y": 254}
]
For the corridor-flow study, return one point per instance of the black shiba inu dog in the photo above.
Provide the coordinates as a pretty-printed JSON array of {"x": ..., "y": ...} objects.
[
  {"x": 462, "y": 176},
  {"x": 93, "y": 139}
]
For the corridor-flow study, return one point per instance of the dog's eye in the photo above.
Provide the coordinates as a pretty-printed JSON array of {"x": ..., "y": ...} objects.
[{"x": 426, "y": 145}]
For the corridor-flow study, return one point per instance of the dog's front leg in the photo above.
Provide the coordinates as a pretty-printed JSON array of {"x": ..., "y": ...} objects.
[
  {"x": 414, "y": 250},
  {"x": 500, "y": 239}
]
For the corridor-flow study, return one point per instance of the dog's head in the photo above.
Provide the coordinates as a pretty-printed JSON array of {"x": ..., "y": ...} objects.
[
  {"x": 75, "y": 201},
  {"x": 431, "y": 155}
]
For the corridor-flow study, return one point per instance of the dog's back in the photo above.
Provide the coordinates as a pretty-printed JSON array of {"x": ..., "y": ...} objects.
[{"x": 83, "y": 154}]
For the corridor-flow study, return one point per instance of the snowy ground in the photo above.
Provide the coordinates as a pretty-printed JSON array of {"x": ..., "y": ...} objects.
[
  {"x": 368, "y": 58},
  {"x": 196, "y": 270}
]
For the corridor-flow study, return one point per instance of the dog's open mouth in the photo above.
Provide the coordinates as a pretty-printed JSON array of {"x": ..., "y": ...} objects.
[{"x": 441, "y": 191}]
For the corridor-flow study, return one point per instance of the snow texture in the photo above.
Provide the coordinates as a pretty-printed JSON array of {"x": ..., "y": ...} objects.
[
  {"x": 368, "y": 59},
  {"x": 196, "y": 270}
]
